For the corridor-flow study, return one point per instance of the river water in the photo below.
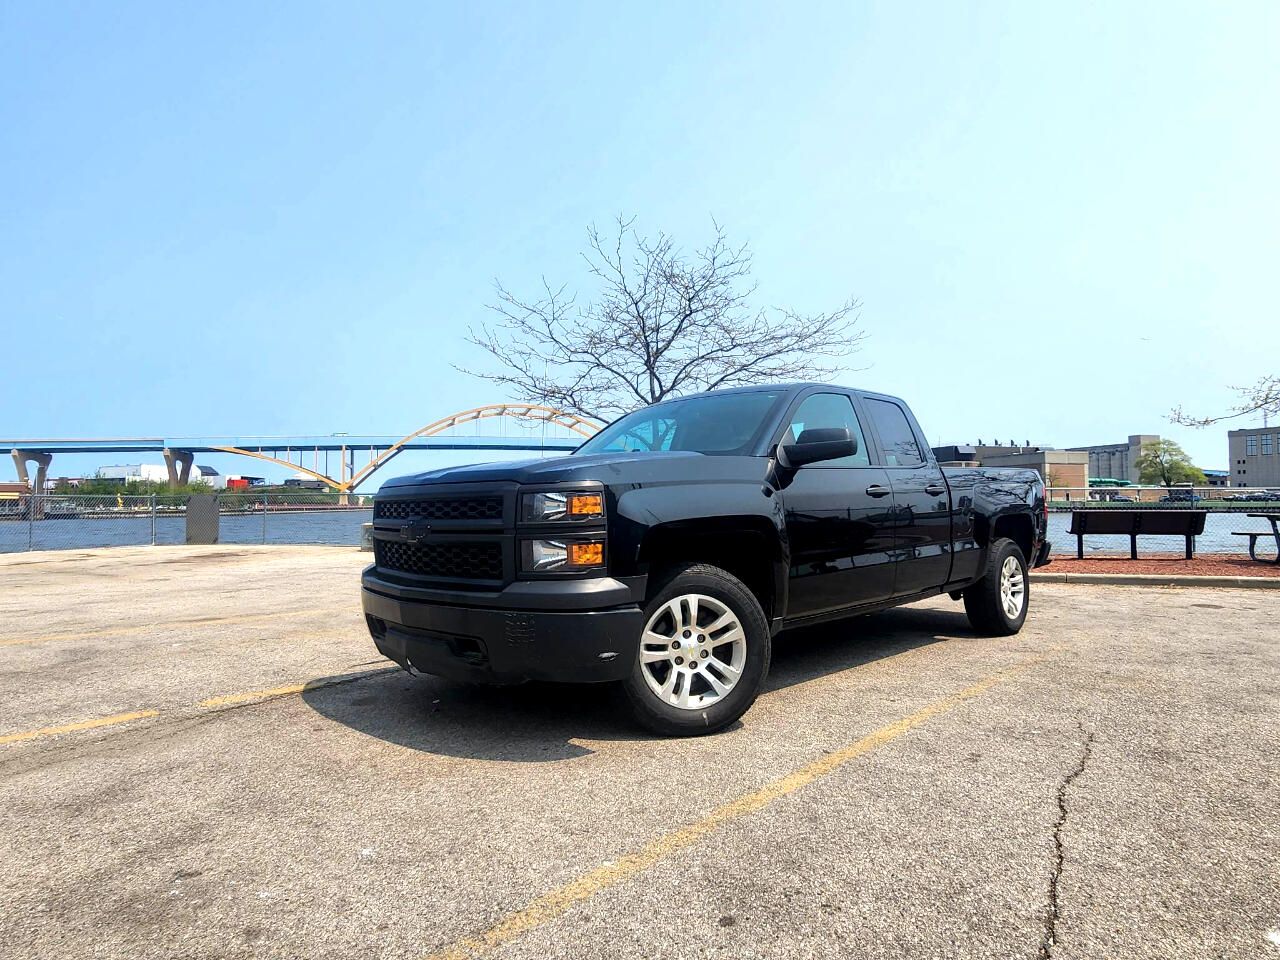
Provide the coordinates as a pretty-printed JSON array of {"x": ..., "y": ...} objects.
[{"x": 320, "y": 526}]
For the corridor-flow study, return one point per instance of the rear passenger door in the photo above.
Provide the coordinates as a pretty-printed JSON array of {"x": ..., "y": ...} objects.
[
  {"x": 839, "y": 517},
  {"x": 921, "y": 506}
]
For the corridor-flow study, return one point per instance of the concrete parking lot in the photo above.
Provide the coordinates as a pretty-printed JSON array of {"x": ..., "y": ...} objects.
[{"x": 202, "y": 756}]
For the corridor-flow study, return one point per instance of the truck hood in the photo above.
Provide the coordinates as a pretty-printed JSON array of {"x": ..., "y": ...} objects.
[{"x": 658, "y": 467}]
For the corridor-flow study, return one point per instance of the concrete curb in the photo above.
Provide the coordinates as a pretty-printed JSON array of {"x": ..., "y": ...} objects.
[{"x": 1156, "y": 580}]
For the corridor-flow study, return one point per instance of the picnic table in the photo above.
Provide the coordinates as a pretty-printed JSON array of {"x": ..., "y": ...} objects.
[{"x": 1253, "y": 535}]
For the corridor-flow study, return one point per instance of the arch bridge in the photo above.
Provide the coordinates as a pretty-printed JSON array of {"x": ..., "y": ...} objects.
[{"x": 359, "y": 456}]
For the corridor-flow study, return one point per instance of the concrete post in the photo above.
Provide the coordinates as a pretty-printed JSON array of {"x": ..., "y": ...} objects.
[
  {"x": 179, "y": 464},
  {"x": 42, "y": 460},
  {"x": 202, "y": 518},
  {"x": 35, "y": 506}
]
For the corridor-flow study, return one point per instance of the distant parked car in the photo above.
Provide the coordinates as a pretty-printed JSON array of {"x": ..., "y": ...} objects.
[
  {"x": 1182, "y": 496},
  {"x": 1106, "y": 496}
]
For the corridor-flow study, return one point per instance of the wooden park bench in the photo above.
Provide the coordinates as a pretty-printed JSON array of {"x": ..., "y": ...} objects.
[
  {"x": 1135, "y": 523},
  {"x": 1253, "y": 536}
]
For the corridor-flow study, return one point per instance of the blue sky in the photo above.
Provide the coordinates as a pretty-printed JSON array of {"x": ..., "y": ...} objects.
[{"x": 1062, "y": 220}]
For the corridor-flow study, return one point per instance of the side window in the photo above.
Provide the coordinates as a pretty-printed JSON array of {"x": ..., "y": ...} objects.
[
  {"x": 900, "y": 447},
  {"x": 830, "y": 410}
]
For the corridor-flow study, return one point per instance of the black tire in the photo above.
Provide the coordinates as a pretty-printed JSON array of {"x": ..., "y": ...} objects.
[
  {"x": 983, "y": 601},
  {"x": 661, "y": 717}
]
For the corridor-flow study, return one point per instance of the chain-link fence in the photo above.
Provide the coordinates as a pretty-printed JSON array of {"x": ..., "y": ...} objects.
[
  {"x": 1227, "y": 514},
  {"x": 293, "y": 518},
  {"x": 57, "y": 522},
  {"x": 1220, "y": 499}
]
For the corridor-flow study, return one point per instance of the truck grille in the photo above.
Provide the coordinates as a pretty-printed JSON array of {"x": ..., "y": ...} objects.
[
  {"x": 462, "y": 561},
  {"x": 440, "y": 508}
]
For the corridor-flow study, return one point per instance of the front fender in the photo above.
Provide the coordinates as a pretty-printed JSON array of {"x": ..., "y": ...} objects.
[{"x": 702, "y": 510}]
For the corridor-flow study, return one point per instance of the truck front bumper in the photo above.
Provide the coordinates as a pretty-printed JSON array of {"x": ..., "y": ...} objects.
[{"x": 574, "y": 631}]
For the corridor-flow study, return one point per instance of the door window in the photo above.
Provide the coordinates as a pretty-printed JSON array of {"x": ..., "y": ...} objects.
[
  {"x": 896, "y": 435},
  {"x": 827, "y": 410}
]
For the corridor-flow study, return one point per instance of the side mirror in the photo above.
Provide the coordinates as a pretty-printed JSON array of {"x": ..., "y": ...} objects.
[{"x": 816, "y": 445}]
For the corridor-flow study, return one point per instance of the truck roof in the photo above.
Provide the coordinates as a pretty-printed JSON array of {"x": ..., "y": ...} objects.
[{"x": 791, "y": 387}]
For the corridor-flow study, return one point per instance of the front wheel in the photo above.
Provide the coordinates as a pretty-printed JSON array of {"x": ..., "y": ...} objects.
[
  {"x": 703, "y": 654},
  {"x": 997, "y": 604}
]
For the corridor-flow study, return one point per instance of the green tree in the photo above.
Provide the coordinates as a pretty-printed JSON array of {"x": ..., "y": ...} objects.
[
  {"x": 102, "y": 487},
  {"x": 1166, "y": 463}
]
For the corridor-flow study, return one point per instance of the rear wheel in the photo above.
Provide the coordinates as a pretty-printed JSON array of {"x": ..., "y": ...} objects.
[
  {"x": 997, "y": 604},
  {"x": 703, "y": 653}
]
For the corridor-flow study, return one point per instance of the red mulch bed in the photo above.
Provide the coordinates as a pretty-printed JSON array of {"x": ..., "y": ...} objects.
[{"x": 1205, "y": 565}]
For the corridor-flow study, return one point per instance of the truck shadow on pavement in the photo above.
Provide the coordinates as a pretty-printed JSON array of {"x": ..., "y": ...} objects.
[{"x": 543, "y": 722}]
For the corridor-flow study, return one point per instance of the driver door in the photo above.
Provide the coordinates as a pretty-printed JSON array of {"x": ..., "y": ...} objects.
[{"x": 839, "y": 518}]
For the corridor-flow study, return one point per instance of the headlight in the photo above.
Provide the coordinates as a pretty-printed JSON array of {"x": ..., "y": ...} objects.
[
  {"x": 547, "y": 556},
  {"x": 548, "y": 507}
]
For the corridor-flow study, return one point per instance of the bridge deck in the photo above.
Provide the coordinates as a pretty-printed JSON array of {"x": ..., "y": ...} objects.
[{"x": 277, "y": 444}]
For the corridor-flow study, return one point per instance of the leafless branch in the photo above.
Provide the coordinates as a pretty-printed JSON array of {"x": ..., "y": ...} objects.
[
  {"x": 663, "y": 323},
  {"x": 1261, "y": 397}
]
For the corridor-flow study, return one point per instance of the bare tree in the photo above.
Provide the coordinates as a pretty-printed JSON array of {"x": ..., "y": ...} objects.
[
  {"x": 1261, "y": 397},
  {"x": 662, "y": 324}
]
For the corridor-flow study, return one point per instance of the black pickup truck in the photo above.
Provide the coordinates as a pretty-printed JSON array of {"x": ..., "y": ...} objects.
[{"x": 667, "y": 551}]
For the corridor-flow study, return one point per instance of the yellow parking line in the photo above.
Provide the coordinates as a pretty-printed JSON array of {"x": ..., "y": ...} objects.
[
  {"x": 551, "y": 905},
  {"x": 250, "y": 696},
  {"x": 175, "y": 624},
  {"x": 75, "y": 727}
]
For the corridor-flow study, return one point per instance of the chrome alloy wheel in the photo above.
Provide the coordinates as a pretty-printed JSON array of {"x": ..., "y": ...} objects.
[
  {"x": 693, "y": 651},
  {"x": 1013, "y": 589}
]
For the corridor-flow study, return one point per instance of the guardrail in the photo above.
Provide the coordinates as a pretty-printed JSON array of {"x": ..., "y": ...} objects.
[{"x": 63, "y": 522}]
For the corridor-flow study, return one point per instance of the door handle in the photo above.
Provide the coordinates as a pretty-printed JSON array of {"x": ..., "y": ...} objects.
[
  {"x": 935, "y": 489},
  {"x": 876, "y": 490}
]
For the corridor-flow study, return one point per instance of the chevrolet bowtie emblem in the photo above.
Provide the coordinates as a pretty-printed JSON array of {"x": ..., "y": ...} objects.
[{"x": 414, "y": 531}]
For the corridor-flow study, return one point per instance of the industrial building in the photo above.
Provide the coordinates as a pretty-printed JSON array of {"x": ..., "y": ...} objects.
[
  {"x": 1058, "y": 468},
  {"x": 160, "y": 473},
  {"x": 1117, "y": 461},
  {"x": 1254, "y": 455}
]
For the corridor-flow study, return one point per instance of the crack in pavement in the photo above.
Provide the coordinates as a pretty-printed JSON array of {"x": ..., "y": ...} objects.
[{"x": 1053, "y": 914}]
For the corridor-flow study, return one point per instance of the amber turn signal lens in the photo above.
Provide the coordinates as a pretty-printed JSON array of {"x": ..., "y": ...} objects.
[
  {"x": 586, "y": 554},
  {"x": 586, "y": 505}
]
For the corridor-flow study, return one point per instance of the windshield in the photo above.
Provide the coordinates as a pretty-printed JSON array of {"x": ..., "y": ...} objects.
[{"x": 724, "y": 424}]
